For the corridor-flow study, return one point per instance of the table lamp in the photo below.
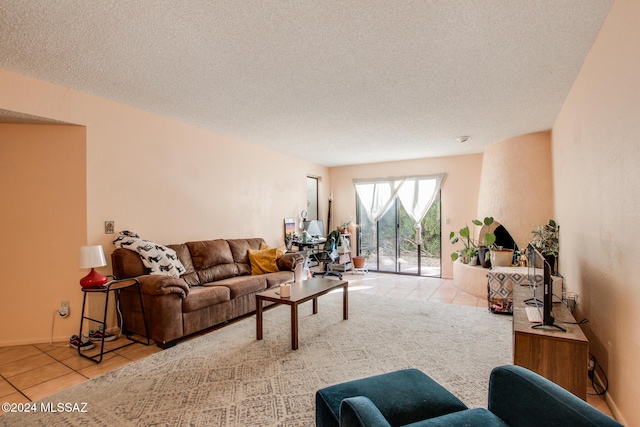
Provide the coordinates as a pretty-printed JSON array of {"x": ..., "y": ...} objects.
[{"x": 90, "y": 257}]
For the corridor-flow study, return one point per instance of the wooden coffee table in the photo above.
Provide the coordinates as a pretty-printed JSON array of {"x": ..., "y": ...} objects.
[{"x": 301, "y": 292}]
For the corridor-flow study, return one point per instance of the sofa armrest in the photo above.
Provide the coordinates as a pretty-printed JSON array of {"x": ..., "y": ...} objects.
[
  {"x": 157, "y": 285},
  {"x": 522, "y": 398},
  {"x": 292, "y": 261},
  {"x": 403, "y": 397},
  {"x": 361, "y": 411},
  {"x": 289, "y": 261}
]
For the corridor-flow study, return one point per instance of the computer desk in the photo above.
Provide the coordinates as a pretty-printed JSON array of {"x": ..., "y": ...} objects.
[{"x": 307, "y": 248}]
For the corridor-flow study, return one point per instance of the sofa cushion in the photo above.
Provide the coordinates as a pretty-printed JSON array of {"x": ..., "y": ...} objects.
[
  {"x": 160, "y": 259},
  {"x": 240, "y": 247},
  {"x": 360, "y": 411},
  {"x": 213, "y": 260},
  {"x": 240, "y": 252},
  {"x": 209, "y": 253},
  {"x": 277, "y": 279},
  {"x": 242, "y": 285},
  {"x": 217, "y": 272},
  {"x": 478, "y": 417},
  {"x": 127, "y": 264},
  {"x": 190, "y": 276},
  {"x": 205, "y": 296}
]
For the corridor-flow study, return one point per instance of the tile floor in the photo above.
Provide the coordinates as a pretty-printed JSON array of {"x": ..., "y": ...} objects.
[{"x": 31, "y": 372}]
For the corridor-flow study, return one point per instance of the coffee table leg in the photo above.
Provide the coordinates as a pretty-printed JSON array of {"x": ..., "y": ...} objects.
[
  {"x": 258, "y": 318},
  {"x": 345, "y": 302},
  {"x": 294, "y": 326},
  {"x": 315, "y": 306}
]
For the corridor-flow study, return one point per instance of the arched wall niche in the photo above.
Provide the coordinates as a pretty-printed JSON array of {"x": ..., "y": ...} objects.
[{"x": 516, "y": 184}]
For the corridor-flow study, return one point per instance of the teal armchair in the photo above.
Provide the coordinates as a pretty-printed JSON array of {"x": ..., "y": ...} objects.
[{"x": 517, "y": 398}]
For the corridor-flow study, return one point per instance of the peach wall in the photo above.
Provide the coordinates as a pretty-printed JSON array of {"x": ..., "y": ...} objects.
[
  {"x": 597, "y": 202},
  {"x": 43, "y": 223},
  {"x": 459, "y": 197},
  {"x": 169, "y": 181},
  {"x": 516, "y": 187}
]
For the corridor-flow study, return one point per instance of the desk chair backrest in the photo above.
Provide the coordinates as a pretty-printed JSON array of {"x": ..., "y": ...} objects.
[{"x": 333, "y": 253}]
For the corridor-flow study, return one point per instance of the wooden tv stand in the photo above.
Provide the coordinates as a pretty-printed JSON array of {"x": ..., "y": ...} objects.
[{"x": 561, "y": 357}]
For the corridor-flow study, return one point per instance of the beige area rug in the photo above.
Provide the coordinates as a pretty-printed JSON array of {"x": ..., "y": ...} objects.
[{"x": 227, "y": 378}]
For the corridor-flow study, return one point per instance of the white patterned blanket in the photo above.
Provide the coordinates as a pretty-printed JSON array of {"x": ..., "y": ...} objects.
[{"x": 160, "y": 259}]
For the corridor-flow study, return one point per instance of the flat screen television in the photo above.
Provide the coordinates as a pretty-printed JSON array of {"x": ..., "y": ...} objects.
[
  {"x": 537, "y": 263},
  {"x": 314, "y": 228}
]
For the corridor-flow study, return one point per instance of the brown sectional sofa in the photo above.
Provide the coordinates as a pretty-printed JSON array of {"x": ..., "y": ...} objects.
[{"x": 216, "y": 287}]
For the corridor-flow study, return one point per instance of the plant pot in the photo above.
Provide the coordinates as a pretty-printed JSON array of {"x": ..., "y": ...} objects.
[
  {"x": 483, "y": 259},
  {"x": 502, "y": 258},
  {"x": 358, "y": 261}
]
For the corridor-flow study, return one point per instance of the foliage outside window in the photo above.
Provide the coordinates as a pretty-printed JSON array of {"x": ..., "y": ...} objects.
[{"x": 431, "y": 235}]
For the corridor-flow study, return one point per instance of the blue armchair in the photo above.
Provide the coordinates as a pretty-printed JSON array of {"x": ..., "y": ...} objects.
[{"x": 517, "y": 398}]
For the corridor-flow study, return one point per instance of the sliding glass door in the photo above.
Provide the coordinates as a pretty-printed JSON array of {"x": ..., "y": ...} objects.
[
  {"x": 390, "y": 245},
  {"x": 388, "y": 249}
]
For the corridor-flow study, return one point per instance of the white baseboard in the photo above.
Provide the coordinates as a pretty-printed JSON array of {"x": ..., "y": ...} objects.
[{"x": 611, "y": 403}]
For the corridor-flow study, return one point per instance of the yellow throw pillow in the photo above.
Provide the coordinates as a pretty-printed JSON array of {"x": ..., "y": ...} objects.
[{"x": 264, "y": 260}]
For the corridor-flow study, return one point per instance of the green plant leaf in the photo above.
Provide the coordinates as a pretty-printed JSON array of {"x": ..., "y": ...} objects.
[
  {"x": 464, "y": 232},
  {"x": 469, "y": 253},
  {"x": 454, "y": 256},
  {"x": 489, "y": 239},
  {"x": 477, "y": 222},
  {"x": 488, "y": 220}
]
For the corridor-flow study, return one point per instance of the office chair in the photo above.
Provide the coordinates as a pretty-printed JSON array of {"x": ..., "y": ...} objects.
[{"x": 326, "y": 257}]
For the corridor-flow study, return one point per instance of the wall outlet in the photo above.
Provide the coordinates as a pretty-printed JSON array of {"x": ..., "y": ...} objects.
[
  {"x": 591, "y": 367},
  {"x": 63, "y": 310}
]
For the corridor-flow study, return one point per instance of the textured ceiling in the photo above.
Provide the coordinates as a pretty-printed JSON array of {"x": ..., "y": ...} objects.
[{"x": 335, "y": 82}]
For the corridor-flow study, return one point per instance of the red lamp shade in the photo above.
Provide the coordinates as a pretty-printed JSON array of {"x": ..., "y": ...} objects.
[{"x": 90, "y": 257}]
